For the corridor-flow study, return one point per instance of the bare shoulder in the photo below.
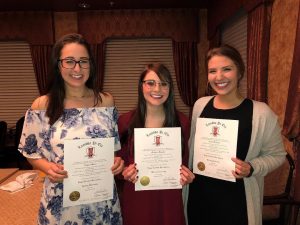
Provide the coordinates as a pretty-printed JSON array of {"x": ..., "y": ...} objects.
[
  {"x": 40, "y": 103},
  {"x": 107, "y": 99}
]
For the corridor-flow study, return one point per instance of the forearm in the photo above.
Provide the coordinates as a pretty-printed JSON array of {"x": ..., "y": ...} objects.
[
  {"x": 40, "y": 164},
  {"x": 55, "y": 172}
]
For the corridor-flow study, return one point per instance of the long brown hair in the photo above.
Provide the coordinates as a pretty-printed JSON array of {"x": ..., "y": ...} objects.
[
  {"x": 139, "y": 117},
  {"x": 55, "y": 86},
  {"x": 171, "y": 117}
]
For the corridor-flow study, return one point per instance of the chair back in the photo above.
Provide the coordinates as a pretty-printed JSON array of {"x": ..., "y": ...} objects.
[
  {"x": 289, "y": 181},
  {"x": 283, "y": 178},
  {"x": 19, "y": 129},
  {"x": 3, "y": 133}
]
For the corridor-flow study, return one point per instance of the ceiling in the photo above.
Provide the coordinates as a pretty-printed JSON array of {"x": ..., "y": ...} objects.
[{"x": 73, "y": 5}]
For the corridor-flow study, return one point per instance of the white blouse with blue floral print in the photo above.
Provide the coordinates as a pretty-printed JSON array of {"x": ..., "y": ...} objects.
[{"x": 40, "y": 140}]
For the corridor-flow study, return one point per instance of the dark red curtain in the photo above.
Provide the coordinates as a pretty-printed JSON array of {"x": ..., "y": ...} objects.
[
  {"x": 178, "y": 24},
  {"x": 186, "y": 70},
  {"x": 99, "y": 54},
  {"x": 217, "y": 13},
  {"x": 214, "y": 41},
  {"x": 40, "y": 58},
  {"x": 291, "y": 126},
  {"x": 37, "y": 29},
  {"x": 259, "y": 24},
  {"x": 34, "y": 27},
  {"x": 181, "y": 25}
]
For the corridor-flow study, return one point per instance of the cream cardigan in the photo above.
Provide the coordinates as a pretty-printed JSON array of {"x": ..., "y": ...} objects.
[{"x": 266, "y": 153}]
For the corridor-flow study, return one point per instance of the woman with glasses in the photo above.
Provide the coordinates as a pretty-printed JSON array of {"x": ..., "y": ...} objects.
[
  {"x": 73, "y": 109},
  {"x": 155, "y": 109}
]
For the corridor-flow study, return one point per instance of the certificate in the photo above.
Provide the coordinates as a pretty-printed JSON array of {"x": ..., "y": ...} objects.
[
  {"x": 157, "y": 153},
  {"x": 215, "y": 145},
  {"x": 88, "y": 162}
]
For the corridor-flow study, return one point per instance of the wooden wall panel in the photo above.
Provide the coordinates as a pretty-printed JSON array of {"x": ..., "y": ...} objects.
[
  {"x": 282, "y": 40},
  {"x": 65, "y": 22}
]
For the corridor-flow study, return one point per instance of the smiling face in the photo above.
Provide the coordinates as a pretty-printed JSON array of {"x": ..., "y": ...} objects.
[
  {"x": 77, "y": 76},
  {"x": 223, "y": 75},
  {"x": 156, "y": 95}
]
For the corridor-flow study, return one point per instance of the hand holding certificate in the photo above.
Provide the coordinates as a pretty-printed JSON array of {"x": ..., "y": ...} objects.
[
  {"x": 158, "y": 158},
  {"x": 88, "y": 162},
  {"x": 215, "y": 144}
]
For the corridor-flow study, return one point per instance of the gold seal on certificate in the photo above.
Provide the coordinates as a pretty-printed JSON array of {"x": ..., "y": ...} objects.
[
  {"x": 145, "y": 180},
  {"x": 74, "y": 196},
  {"x": 201, "y": 166}
]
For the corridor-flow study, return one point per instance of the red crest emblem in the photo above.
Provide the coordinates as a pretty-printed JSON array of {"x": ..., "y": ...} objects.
[
  {"x": 90, "y": 152},
  {"x": 157, "y": 140},
  {"x": 215, "y": 131}
]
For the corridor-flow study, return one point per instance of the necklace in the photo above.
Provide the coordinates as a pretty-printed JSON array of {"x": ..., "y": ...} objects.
[{"x": 86, "y": 94}]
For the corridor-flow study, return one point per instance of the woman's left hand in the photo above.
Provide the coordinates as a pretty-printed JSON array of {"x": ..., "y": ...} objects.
[
  {"x": 186, "y": 176},
  {"x": 118, "y": 165},
  {"x": 242, "y": 168}
]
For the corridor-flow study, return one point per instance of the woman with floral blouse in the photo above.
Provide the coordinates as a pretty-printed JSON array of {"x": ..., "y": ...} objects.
[{"x": 73, "y": 108}]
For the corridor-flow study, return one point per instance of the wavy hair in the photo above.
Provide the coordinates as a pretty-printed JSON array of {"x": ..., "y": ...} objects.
[{"x": 55, "y": 86}]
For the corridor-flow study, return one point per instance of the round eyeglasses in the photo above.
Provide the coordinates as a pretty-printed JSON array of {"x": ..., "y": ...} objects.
[
  {"x": 71, "y": 63},
  {"x": 150, "y": 84}
]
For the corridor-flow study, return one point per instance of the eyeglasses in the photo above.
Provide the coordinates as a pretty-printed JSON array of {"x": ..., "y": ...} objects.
[
  {"x": 152, "y": 83},
  {"x": 71, "y": 63}
]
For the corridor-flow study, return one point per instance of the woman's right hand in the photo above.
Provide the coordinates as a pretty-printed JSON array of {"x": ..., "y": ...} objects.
[
  {"x": 56, "y": 173},
  {"x": 130, "y": 173}
]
